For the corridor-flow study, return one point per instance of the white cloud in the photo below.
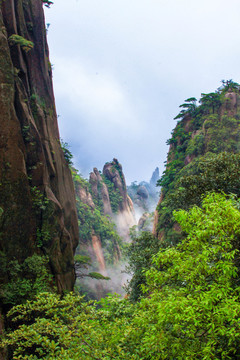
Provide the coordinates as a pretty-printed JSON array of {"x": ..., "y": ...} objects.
[
  {"x": 96, "y": 95},
  {"x": 121, "y": 68}
]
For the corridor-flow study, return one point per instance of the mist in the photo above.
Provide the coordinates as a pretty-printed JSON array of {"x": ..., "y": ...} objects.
[{"x": 121, "y": 69}]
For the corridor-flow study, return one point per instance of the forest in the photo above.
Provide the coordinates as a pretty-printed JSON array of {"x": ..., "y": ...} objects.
[{"x": 62, "y": 236}]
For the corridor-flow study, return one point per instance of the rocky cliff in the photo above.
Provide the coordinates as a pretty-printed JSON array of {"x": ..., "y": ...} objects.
[
  {"x": 203, "y": 156},
  {"x": 37, "y": 198},
  {"x": 103, "y": 203},
  {"x": 94, "y": 227},
  {"x": 105, "y": 214},
  {"x": 121, "y": 205}
]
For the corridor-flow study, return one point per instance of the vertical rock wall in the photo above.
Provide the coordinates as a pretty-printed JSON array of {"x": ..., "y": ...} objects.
[
  {"x": 36, "y": 189},
  {"x": 124, "y": 217}
]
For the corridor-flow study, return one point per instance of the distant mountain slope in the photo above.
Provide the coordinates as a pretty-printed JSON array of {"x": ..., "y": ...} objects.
[
  {"x": 105, "y": 214},
  {"x": 203, "y": 156},
  {"x": 145, "y": 196}
]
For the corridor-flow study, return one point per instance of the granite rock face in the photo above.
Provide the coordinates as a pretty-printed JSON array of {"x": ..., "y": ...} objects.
[
  {"x": 36, "y": 189},
  {"x": 100, "y": 191},
  {"x": 124, "y": 216},
  {"x": 105, "y": 192}
]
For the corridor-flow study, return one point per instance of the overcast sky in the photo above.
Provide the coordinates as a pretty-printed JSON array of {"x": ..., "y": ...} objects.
[{"x": 122, "y": 68}]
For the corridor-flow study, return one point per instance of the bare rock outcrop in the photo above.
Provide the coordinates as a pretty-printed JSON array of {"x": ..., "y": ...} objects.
[
  {"x": 124, "y": 216},
  {"x": 33, "y": 170},
  {"x": 100, "y": 191}
]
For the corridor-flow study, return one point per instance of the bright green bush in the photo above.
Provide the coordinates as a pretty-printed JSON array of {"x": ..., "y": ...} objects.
[
  {"x": 191, "y": 311},
  {"x": 25, "y": 44},
  {"x": 22, "y": 281},
  {"x": 194, "y": 310}
]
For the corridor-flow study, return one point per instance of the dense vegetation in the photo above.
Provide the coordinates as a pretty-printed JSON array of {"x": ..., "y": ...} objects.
[
  {"x": 201, "y": 156},
  {"x": 184, "y": 297},
  {"x": 114, "y": 195},
  {"x": 191, "y": 310},
  {"x": 92, "y": 219}
]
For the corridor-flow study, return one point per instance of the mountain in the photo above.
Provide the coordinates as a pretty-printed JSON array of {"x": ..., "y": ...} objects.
[
  {"x": 145, "y": 196},
  {"x": 37, "y": 202},
  {"x": 105, "y": 214},
  {"x": 203, "y": 156}
]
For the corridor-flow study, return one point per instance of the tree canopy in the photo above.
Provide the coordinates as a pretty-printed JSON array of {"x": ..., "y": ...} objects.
[{"x": 190, "y": 311}]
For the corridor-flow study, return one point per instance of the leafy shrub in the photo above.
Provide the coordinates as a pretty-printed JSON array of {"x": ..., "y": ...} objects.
[
  {"x": 25, "y": 44},
  {"x": 66, "y": 152},
  {"x": 139, "y": 257},
  {"x": 191, "y": 310},
  {"x": 195, "y": 299},
  {"x": 47, "y": 3},
  {"x": 24, "y": 280}
]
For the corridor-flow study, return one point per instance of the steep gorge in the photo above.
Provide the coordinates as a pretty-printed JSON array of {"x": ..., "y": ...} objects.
[{"x": 105, "y": 214}]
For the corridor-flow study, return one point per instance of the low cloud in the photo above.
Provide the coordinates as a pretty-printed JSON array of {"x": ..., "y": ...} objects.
[{"x": 98, "y": 97}]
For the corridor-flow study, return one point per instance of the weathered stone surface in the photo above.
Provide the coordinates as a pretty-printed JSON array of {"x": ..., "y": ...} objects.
[
  {"x": 100, "y": 190},
  {"x": 124, "y": 218},
  {"x": 32, "y": 165},
  {"x": 142, "y": 192}
]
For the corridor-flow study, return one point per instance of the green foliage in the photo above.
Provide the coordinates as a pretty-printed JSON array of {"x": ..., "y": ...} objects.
[
  {"x": 207, "y": 173},
  {"x": 50, "y": 328},
  {"x": 196, "y": 145},
  {"x": 229, "y": 84},
  {"x": 66, "y": 152},
  {"x": 189, "y": 108},
  {"x": 44, "y": 210},
  {"x": 25, "y": 44},
  {"x": 83, "y": 261},
  {"x": 139, "y": 256},
  {"x": 114, "y": 195},
  {"x": 40, "y": 201},
  {"x": 97, "y": 276},
  {"x": 191, "y": 311},
  {"x": 35, "y": 102},
  {"x": 47, "y": 3},
  {"x": 209, "y": 103},
  {"x": 22, "y": 281},
  {"x": 194, "y": 304},
  {"x": 206, "y": 131},
  {"x": 92, "y": 221},
  {"x": 78, "y": 179},
  {"x": 118, "y": 167},
  {"x": 26, "y": 133}
]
